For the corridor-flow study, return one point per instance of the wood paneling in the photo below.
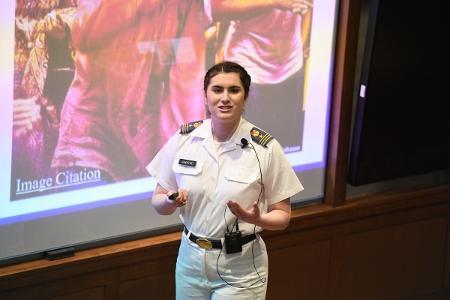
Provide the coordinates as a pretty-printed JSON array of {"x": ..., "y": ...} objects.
[
  {"x": 447, "y": 262},
  {"x": 385, "y": 246},
  {"x": 91, "y": 294},
  {"x": 390, "y": 263},
  {"x": 160, "y": 286},
  {"x": 89, "y": 286},
  {"x": 149, "y": 280},
  {"x": 299, "y": 272},
  {"x": 341, "y": 105}
]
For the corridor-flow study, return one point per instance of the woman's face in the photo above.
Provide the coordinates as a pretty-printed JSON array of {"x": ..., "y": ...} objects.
[{"x": 225, "y": 97}]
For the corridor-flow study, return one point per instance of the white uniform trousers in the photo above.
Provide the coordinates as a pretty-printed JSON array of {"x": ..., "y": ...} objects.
[{"x": 213, "y": 274}]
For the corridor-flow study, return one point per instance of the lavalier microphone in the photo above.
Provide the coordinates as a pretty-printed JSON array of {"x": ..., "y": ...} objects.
[{"x": 244, "y": 143}]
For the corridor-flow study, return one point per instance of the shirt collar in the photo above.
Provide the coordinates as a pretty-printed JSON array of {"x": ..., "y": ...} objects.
[{"x": 243, "y": 131}]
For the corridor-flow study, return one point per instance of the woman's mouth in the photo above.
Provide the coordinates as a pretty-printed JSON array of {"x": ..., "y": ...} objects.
[{"x": 225, "y": 108}]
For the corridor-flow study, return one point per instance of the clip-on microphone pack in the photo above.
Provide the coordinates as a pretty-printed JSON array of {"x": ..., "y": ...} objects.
[{"x": 233, "y": 240}]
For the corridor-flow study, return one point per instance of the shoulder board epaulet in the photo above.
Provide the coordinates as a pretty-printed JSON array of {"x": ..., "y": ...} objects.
[
  {"x": 189, "y": 127},
  {"x": 260, "y": 136}
]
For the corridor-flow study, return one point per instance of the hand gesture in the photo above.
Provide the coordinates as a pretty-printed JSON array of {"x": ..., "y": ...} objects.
[
  {"x": 251, "y": 215},
  {"x": 180, "y": 199}
]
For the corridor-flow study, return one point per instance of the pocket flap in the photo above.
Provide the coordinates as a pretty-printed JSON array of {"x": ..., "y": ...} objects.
[{"x": 241, "y": 175}]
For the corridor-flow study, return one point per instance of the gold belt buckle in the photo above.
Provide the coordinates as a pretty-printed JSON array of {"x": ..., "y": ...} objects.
[{"x": 204, "y": 243}]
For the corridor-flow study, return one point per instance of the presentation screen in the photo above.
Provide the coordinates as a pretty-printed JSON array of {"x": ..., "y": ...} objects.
[{"x": 92, "y": 89}]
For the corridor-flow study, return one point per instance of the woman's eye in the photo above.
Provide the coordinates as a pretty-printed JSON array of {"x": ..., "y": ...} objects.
[
  {"x": 217, "y": 90},
  {"x": 235, "y": 90}
]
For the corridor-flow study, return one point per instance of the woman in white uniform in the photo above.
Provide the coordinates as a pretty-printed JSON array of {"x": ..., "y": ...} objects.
[{"x": 231, "y": 180}]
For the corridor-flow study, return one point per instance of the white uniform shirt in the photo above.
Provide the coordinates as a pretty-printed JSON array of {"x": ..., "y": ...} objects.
[{"x": 222, "y": 172}]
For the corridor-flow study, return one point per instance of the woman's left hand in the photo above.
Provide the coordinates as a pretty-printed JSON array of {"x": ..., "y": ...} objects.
[
  {"x": 249, "y": 216},
  {"x": 277, "y": 217}
]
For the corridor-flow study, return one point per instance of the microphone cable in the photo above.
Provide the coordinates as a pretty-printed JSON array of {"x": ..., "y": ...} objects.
[{"x": 245, "y": 143}]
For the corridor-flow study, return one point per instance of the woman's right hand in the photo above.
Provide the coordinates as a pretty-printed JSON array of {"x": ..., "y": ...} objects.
[
  {"x": 162, "y": 203},
  {"x": 181, "y": 199}
]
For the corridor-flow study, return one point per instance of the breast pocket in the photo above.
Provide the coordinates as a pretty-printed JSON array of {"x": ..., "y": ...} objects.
[
  {"x": 243, "y": 185},
  {"x": 186, "y": 173}
]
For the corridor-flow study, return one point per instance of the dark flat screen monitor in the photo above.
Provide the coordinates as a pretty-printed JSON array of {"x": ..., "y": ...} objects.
[{"x": 401, "y": 120}]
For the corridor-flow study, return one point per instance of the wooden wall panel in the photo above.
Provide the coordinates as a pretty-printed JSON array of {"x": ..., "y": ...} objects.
[
  {"x": 90, "y": 294},
  {"x": 148, "y": 280},
  {"x": 148, "y": 268},
  {"x": 385, "y": 247},
  {"x": 390, "y": 263},
  {"x": 299, "y": 272},
  {"x": 160, "y": 286},
  {"x": 442, "y": 294},
  {"x": 89, "y": 286},
  {"x": 447, "y": 264}
]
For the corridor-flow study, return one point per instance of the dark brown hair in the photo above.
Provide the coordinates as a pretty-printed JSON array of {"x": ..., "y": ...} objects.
[{"x": 228, "y": 67}]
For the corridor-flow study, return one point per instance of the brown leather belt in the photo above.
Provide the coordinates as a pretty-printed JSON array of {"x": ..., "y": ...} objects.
[{"x": 207, "y": 243}]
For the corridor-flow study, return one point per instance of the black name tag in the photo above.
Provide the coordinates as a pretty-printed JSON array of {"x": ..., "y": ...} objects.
[{"x": 187, "y": 162}]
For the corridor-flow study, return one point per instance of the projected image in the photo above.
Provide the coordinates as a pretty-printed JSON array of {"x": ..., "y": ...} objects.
[
  {"x": 96, "y": 97},
  {"x": 43, "y": 71},
  {"x": 273, "y": 45},
  {"x": 137, "y": 78},
  {"x": 92, "y": 89}
]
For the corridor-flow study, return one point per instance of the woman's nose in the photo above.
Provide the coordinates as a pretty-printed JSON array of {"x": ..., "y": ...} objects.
[{"x": 225, "y": 96}]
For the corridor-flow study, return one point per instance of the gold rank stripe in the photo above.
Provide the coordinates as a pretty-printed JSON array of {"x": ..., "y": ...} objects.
[
  {"x": 265, "y": 139},
  {"x": 189, "y": 127},
  {"x": 186, "y": 128}
]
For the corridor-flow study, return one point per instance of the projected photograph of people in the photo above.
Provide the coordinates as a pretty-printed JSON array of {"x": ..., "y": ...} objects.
[
  {"x": 137, "y": 78},
  {"x": 92, "y": 89},
  {"x": 43, "y": 71},
  {"x": 96, "y": 97},
  {"x": 273, "y": 45}
]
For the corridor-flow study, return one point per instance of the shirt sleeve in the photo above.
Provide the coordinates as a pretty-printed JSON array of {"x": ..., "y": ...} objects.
[
  {"x": 160, "y": 167},
  {"x": 281, "y": 182}
]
